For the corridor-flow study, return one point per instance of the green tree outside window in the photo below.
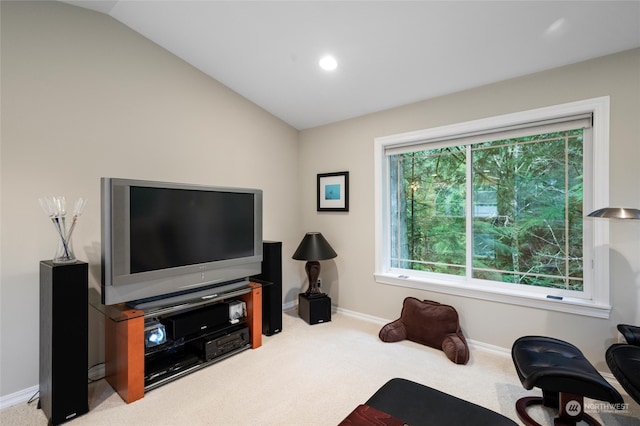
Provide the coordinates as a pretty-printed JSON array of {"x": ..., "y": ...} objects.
[{"x": 525, "y": 210}]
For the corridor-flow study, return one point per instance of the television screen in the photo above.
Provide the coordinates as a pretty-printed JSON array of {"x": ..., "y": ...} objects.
[
  {"x": 167, "y": 240},
  {"x": 173, "y": 227}
]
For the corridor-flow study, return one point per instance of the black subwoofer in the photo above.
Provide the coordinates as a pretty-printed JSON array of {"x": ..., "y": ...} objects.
[
  {"x": 314, "y": 309},
  {"x": 272, "y": 290},
  {"x": 64, "y": 341}
]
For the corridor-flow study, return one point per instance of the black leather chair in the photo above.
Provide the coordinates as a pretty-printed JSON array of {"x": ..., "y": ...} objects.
[
  {"x": 565, "y": 376},
  {"x": 624, "y": 360},
  {"x": 631, "y": 333}
]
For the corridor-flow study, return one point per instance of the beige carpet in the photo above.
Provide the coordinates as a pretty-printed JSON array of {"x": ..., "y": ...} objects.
[{"x": 309, "y": 375}]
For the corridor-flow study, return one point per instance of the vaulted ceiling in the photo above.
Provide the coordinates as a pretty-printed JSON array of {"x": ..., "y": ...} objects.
[{"x": 389, "y": 53}]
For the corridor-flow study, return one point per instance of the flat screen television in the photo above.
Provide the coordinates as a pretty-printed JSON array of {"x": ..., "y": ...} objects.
[{"x": 164, "y": 243}]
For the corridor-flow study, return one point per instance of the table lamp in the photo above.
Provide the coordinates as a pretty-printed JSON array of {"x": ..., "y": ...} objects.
[{"x": 314, "y": 247}]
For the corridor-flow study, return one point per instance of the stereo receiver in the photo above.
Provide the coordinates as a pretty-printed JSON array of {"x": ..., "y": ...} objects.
[{"x": 216, "y": 345}]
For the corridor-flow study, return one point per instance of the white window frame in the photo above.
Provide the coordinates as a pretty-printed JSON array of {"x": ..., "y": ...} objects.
[{"x": 596, "y": 195}]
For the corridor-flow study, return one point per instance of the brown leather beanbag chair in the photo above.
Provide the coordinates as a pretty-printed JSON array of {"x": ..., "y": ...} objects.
[{"x": 429, "y": 323}]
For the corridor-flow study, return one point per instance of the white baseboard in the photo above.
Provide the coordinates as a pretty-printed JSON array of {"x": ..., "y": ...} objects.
[
  {"x": 289, "y": 306},
  {"x": 97, "y": 372},
  {"x": 25, "y": 395},
  {"x": 18, "y": 397},
  {"x": 497, "y": 350},
  {"x": 364, "y": 317}
]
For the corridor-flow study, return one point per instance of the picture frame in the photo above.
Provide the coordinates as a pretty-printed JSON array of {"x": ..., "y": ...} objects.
[{"x": 333, "y": 192}]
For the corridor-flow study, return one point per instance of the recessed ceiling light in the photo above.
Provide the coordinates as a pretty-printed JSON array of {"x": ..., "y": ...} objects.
[{"x": 328, "y": 63}]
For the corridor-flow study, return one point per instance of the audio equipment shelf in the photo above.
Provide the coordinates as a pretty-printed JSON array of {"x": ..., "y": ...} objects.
[{"x": 131, "y": 369}]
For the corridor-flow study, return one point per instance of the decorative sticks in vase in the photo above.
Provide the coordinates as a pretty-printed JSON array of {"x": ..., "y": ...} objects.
[{"x": 55, "y": 208}]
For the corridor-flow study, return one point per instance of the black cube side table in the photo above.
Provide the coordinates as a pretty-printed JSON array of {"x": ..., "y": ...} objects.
[{"x": 314, "y": 309}]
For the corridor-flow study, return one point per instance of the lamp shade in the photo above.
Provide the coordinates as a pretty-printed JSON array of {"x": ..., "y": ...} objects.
[
  {"x": 616, "y": 213},
  {"x": 314, "y": 247}
]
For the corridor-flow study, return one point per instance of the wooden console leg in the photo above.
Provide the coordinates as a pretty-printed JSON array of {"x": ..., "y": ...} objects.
[
  {"x": 253, "y": 300},
  {"x": 124, "y": 355}
]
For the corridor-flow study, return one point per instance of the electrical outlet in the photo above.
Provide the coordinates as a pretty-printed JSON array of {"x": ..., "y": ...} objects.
[{"x": 319, "y": 282}]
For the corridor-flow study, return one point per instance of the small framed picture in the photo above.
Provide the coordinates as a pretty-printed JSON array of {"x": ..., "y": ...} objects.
[{"x": 333, "y": 192}]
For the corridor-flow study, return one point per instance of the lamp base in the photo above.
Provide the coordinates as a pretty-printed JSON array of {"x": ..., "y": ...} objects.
[{"x": 314, "y": 308}]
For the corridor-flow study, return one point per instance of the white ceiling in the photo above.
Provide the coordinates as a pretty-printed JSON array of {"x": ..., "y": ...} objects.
[{"x": 390, "y": 53}]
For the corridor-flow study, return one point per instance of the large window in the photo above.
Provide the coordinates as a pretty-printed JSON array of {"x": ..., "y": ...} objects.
[{"x": 495, "y": 208}]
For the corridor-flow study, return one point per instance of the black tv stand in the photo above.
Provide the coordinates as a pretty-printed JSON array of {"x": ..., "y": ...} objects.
[
  {"x": 132, "y": 369},
  {"x": 177, "y": 358}
]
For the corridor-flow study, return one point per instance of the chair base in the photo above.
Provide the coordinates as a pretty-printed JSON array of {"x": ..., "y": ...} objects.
[{"x": 565, "y": 418}]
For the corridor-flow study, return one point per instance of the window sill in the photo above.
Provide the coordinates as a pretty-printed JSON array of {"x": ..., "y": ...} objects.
[{"x": 567, "y": 305}]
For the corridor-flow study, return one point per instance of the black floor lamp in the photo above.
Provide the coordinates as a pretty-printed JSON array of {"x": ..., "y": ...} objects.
[{"x": 623, "y": 359}]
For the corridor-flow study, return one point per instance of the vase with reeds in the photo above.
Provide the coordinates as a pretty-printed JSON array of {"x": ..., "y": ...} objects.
[{"x": 56, "y": 209}]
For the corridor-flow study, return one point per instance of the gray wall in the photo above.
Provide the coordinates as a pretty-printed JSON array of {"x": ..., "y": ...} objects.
[
  {"x": 349, "y": 145},
  {"x": 84, "y": 97}
]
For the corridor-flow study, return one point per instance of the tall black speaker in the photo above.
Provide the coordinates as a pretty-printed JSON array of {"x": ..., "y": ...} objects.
[
  {"x": 271, "y": 293},
  {"x": 64, "y": 341}
]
